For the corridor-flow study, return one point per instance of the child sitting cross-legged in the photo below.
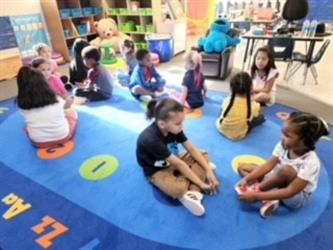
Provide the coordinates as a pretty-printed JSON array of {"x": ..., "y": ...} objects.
[{"x": 145, "y": 82}]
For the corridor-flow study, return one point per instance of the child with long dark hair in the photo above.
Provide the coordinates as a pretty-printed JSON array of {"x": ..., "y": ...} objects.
[
  {"x": 53, "y": 81},
  {"x": 239, "y": 113},
  {"x": 78, "y": 72},
  {"x": 180, "y": 176},
  {"x": 264, "y": 75},
  {"x": 47, "y": 123},
  {"x": 291, "y": 175}
]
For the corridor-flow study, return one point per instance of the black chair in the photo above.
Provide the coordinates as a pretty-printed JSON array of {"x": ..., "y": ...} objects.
[
  {"x": 293, "y": 10},
  {"x": 301, "y": 59},
  {"x": 282, "y": 48}
]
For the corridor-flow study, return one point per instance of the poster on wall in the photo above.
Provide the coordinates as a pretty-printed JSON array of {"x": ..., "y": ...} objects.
[
  {"x": 7, "y": 35},
  {"x": 29, "y": 31}
]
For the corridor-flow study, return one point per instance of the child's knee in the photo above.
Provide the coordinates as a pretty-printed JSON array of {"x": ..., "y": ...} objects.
[{"x": 287, "y": 173}]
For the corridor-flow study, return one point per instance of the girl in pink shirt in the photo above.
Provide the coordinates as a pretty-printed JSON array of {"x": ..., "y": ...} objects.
[{"x": 53, "y": 81}]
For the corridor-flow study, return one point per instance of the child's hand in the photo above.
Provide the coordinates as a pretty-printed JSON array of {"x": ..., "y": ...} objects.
[
  {"x": 68, "y": 102},
  {"x": 206, "y": 187},
  {"x": 248, "y": 196},
  {"x": 214, "y": 183}
]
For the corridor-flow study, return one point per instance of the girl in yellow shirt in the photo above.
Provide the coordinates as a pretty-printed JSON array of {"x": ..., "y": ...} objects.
[{"x": 239, "y": 113}]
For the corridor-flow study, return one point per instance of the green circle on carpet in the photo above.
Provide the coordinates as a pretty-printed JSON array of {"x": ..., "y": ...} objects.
[
  {"x": 143, "y": 105},
  {"x": 99, "y": 167},
  {"x": 3, "y": 110}
]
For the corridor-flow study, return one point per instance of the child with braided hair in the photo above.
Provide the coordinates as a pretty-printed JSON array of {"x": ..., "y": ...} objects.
[
  {"x": 291, "y": 175},
  {"x": 239, "y": 113}
]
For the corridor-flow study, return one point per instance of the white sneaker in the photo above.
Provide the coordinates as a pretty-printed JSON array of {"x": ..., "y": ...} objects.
[
  {"x": 192, "y": 201},
  {"x": 268, "y": 208},
  {"x": 145, "y": 98},
  {"x": 212, "y": 165}
]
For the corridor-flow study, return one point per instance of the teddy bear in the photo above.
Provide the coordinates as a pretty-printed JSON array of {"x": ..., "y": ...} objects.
[
  {"x": 218, "y": 39},
  {"x": 108, "y": 34}
]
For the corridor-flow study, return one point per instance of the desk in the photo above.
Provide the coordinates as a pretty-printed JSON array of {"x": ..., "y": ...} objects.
[{"x": 250, "y": 37}]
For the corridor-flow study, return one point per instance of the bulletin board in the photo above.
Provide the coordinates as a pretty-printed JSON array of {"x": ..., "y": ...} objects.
[
  {"x": 7, "y": 35},
  {"x": 29, "y": 31}
]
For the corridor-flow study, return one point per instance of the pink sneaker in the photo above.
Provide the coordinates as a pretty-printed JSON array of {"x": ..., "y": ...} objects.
[
  {"x": 255, "y": 187},
  {"x": 268, "y": 208}
]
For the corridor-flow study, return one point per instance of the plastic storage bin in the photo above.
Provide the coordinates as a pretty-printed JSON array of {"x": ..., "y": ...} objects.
[
  {"x": 148, "y": 11},
  {"x": 88, "y": 11},
  {"x": 113, "y": 11},
  {"x": 140, "y": 28},
  {"x": 65, "y": 13},
  {"x": 76, "y": 12},
  {"x": 82, "y": 29},
  {"x": 123, "y": 11},
  {"x": 98, "y": 10},
  {"x": 150, "y": 28},
  {"x": 67, "y": 33},
  {"x": 162, "y": 45}
]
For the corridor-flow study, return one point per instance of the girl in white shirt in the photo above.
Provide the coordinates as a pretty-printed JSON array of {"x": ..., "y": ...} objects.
[
  {"x": 47, "y": 123},
  {"x": 291, "y": 174},
  {"x": 264, "y": 75}
]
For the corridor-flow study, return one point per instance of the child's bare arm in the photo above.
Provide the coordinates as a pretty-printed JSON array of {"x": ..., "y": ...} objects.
[
  {"x": 184, "y": 95},
  {"x": 195, "y": 153},
  {"x": 261, "y": 170},
  {"x": 187, "y": 172}
]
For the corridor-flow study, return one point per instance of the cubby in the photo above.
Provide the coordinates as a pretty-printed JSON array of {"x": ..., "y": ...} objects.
[
  {"x": 135, "y": 18},
  {"x": 69, "y": 19}
]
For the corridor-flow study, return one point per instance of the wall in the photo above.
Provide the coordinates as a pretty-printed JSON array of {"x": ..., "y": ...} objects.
[{"x": 19, "y": 7}]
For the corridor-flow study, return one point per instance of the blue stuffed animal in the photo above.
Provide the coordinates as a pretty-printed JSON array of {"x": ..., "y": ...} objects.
[{"x": 218, "y": 38}]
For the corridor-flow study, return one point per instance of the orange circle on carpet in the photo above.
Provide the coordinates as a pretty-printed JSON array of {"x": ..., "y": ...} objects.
[
  {"x": 193, "y": 114},
  {"x": 56, "y": 151}
]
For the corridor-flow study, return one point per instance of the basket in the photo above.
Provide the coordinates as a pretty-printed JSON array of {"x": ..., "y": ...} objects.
[
  {"x": 76, "y": 12},
  {"x": 123, "y": 11},
  {"x": 82, "y": 29},
  {"x": 98, "y": 10},
  {"x": 65, "y": 13},
  {"x": 113, "y": 11},
  {"x": 150, "y": 28},
  {"x": 88, "y": 11},
  {"x": 140, "y": 28}
]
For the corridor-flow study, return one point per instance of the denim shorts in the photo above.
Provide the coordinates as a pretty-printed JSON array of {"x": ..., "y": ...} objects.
[{"x": 298, "y": 200}]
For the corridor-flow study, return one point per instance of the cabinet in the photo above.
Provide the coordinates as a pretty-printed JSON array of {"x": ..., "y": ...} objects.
[
  {"x": 10, "y": 59},
  {"x": 67, "y": 20},
  {"x": 135, "y": 18}
]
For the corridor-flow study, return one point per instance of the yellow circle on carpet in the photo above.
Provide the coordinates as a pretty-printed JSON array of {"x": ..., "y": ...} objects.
[
  {"x": 193, "y": 114},
  {"x": 246, "y": 159},
  {"x": 120, "y": 64},
  {"x": 56, "y": 151},
  {"x": 283, "y": 115}
]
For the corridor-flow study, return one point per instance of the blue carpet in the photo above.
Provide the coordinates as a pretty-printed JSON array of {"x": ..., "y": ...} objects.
[{"x": 124, "y": 212}]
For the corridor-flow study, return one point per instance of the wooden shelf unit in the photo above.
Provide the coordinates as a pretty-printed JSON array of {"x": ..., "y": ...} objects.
[
  {"x": 57, "y": 26},
  {"x": 138, "y": 18}
]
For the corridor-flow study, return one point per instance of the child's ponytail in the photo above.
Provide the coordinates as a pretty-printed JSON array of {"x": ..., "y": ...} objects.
[
  {"x": 197, "y": 69},
  {"x": 160, "y": 110},
  {"x": 150, "y": 113}
]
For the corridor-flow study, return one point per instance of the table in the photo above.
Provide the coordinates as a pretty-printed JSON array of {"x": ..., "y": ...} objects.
[{"x": 250, "y": 37}]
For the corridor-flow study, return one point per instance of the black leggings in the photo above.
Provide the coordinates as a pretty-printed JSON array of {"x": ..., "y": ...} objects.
[
  {"x": 91, "y": 95},
  {"x": 256, "y": 121}
]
